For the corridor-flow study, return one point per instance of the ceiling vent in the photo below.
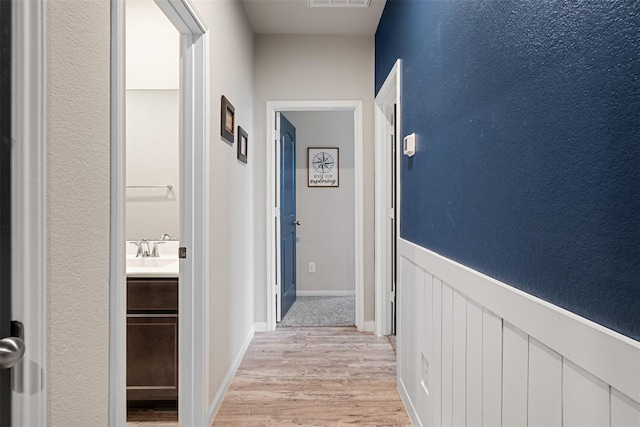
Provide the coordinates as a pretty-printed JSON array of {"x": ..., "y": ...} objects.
[{"x": 339, "y": 3}]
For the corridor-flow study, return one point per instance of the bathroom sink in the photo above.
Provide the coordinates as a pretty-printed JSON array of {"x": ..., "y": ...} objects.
[
  {"x": 153, "y": 267},
  {"x": 150, "y": 262}
]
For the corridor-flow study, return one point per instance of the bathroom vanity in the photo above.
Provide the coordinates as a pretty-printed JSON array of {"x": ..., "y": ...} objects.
[
  {"x": 152, "y": 339},
  {"x": 152, "y": 330}
]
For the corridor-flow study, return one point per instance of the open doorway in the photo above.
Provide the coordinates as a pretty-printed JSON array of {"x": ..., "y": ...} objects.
[
  {"x": 329, "y": 218},
  {"x": 152, "y": 229},
  {"x": 317, "y": 183},
  {"x": 186, "y": 340},
  {"x": 387, "y": 208}
]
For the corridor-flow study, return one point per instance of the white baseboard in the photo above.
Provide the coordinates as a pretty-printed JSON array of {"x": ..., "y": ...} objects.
[
  {"x": 260, "y": 326},
  {"x": 325, "y": 293},
  {"x": 369, "y": 326},
  {"x": 408, "y": 406},
  {"x": 217, "y": 400}
]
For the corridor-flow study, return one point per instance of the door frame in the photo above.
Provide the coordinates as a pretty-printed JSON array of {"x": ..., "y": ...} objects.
[
  {"x": 273, "y": 236},
  {"x": 194, "y": 206},
  {"x": 389, "y": 94},
  {"x": 28, "y": 207}
]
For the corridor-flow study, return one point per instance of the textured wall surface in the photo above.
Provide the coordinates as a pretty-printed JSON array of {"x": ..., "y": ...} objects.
[
  {"x": 77, "y": 212},
  {"x": 231, "y": 210},
  {"x": 527, "y": 168}
]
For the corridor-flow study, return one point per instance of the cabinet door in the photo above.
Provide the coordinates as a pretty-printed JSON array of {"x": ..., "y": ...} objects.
[
  {"x": 152, "y": 357},
  {"x": 152, "y": 295}
]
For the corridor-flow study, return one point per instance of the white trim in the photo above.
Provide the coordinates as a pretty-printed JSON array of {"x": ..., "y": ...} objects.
[
  {"x": 272, "y": 108},
  {"x": 260, "y": 326},
  {"x": 388, "y": 95},
  {"x": 28, "y": 208},
  {"x": 325, "y": 293},
  {"x": 408, "y": 405},
  {"x": 278, "y": 243},
  {"x": 194, "y": 154},
  {"x": 573, "y": 337},
  {"x": 184, "y": 16},
  {"x": 217, "y": 400},
  {"x": 369, "y": 326},
  {"x": 117, "y": 268}
]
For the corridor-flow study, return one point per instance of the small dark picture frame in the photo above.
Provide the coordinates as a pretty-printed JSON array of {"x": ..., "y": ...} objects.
[
  {"x": 243, "y": 144},
  {"x": 227, "y": 120}
]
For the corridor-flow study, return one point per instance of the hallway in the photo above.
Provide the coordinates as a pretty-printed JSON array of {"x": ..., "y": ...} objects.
[{"x": 314, "y": 376}]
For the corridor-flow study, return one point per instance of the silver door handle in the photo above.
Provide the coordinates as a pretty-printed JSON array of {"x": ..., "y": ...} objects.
[
  {"x": 11, "y": 351},
  {"x": 296, "y": 223}
]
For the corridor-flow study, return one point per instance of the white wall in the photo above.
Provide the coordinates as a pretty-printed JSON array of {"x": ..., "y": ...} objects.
[
  {"x": 153, "y": 46},
  {"x": 301, "y": 67},
  {"x": 77, "y": 132},
  {"x": 231, "y": 233},
  {"x": 152, "y": 122},
  {"x": 475, "y": 351},
  {"x": 153, "y": 150},
  {"x": 326, "y": 235}
]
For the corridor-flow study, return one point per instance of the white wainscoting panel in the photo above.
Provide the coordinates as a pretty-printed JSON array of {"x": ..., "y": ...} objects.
[
  {"x": 491, "y": 369},
  {"x": 625, "y": 412},
  {"x": 473, "y": 351},
  {"x": 585, "y": 398},
  {"x": 474, "y": 364},
  {"x": 545, "y": 385},
  {"x": 425, "y": 343},
  {"x": 515, "y": 349},
  {"x": 447, "y": 356},
  {"x": 459, "y": 358},
  {"x": 436, "y": 366}
]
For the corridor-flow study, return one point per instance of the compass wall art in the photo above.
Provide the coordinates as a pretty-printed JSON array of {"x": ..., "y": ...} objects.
[{"x": 323, "y": 167}]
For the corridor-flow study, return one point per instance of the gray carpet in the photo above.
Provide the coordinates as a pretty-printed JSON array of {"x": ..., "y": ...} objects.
[{"x": 321, "y": 311}]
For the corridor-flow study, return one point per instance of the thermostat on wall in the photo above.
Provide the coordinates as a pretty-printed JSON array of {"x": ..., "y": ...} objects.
[{"x": 409, "y": 146}]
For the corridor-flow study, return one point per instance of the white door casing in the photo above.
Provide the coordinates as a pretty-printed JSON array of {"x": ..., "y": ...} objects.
[
  {"x": 194, "y": 203},
  {"x": 273, "y": 237},
  {"x": 388, "y": 96},
  {"x": 28, "y": 216}
]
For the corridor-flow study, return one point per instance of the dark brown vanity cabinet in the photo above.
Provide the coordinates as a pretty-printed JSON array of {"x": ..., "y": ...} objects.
[{"x": 152, "y": 339}]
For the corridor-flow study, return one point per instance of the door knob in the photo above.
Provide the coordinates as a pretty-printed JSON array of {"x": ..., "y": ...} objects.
[
  {"x": 11, "y": 351},
  {"x": 297, "y": 223}
]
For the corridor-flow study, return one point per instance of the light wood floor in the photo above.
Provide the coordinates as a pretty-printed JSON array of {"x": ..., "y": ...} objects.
[{"x": 314, "y": 377}]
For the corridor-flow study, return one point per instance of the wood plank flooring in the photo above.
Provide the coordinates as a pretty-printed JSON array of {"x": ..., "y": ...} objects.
[{"x": 314, "y": 377}]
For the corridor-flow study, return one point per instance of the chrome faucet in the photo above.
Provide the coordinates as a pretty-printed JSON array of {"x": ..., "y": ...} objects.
[
  {"x": 144, "y": 244},
  {"x": 143, "y": 248},
  {"x": 165, "y": 237},
  {"x": 154, "y": 251}
]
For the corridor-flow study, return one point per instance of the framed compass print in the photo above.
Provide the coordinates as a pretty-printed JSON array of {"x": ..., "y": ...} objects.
[{"x": 323, "y": 167}]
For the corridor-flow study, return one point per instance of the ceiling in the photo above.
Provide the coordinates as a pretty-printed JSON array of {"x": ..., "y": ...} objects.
[{"x": 296, "y": 17}]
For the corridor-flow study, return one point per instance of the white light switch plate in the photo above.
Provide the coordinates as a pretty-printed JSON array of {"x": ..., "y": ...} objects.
[{"x": 409, "y": 145}]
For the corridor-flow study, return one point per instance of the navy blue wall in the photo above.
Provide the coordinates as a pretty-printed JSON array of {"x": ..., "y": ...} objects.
[{"x": 527, "y": 115}]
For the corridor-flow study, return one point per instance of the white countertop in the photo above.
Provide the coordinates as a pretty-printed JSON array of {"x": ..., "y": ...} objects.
[{"x": 166, "y": 265}]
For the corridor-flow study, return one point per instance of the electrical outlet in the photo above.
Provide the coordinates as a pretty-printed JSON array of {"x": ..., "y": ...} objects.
[{"x": 312, "y": 267}]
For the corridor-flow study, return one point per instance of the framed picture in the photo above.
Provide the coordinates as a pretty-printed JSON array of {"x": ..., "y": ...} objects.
[
  {"x": 227, "y": 120},
  {"x": 243, "y": 144},
  {"x": 323, "y": 167}
]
